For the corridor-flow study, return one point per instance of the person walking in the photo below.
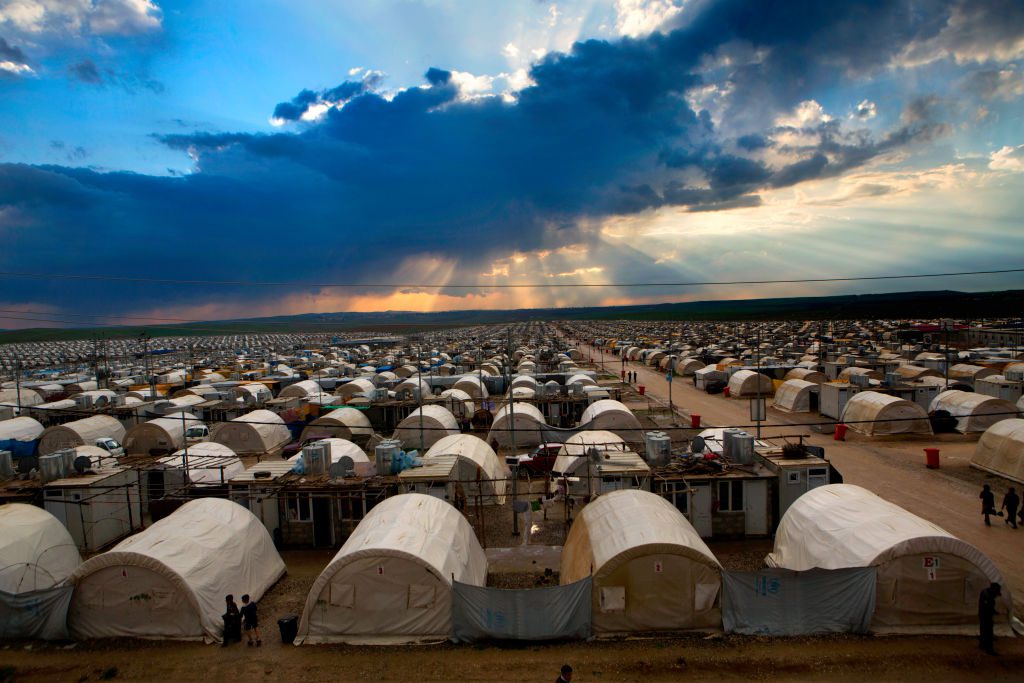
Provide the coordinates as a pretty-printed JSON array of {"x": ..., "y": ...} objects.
[
  {"x": 1011, "y": 501},
  {"x": 988, "y": 503},
  {"x": 987, "y": 617},
  {"x": 566, "y": 674},
  {"x": 232, "y": 622},
  {"x": 250, "y": 622}
]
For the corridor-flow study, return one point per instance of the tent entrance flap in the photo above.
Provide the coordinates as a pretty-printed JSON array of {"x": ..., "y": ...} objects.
[{"x": 553, "y": 613}]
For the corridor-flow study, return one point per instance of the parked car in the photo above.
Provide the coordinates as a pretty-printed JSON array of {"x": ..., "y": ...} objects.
[
  {"x": 538, "y": 461},
  {"x": 197, "y": 433},
  {"x": 295, "y": 447},
  {"x": 111, "y": 446}
]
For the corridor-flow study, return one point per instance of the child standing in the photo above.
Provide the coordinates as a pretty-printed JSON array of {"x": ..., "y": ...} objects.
[{"x": 250, "y": 621}]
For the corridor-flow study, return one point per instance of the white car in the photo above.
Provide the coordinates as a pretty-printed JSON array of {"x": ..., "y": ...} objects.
[{"x": 111, "y": 446}]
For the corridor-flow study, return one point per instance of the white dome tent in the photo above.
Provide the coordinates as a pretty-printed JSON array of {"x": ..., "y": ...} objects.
[
  {"x": 1000, "y": 450},
  {"x": 473, "y": 386},
  {"x": 477, "y": 462},
  {"x": 612, "y": 416},
  {"x": 166, "y": 434},
  {"x": 841, "y": 525},
  {"x": 527, "y": 421},
  {"x": 82, "y": 432},
  {"x": 37, "y": 555},
  {"x": 973, "y": 412},
  {"x": 392, "y": 580},
  {"x": 257, "y": 433},
  {"x": 169, "y": 581},
  {"x": 459, "y": 403},
  {"x": 204, "y": 464},
  {"x": 794, "y": 395},
  {"x": 307, "y": 387},
  {"x": 650, "y": 568},
  {"x": 344, "y": 423},
  {"x": 749, "y": 384},
  {"x": 349, "y": 390},
  {"x": 431, "y": 422},
  {"x": 875, "y": 414}
]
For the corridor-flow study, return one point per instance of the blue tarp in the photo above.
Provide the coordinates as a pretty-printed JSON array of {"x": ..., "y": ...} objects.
[
  {"x": 19, "y": 449},
  {"x": 554, "y": 613}
]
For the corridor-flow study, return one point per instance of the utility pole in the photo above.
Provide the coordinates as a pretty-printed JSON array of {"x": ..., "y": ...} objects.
[{"x": 17, "y": 380}]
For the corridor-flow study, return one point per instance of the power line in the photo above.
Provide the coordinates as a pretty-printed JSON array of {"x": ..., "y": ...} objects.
[{"x": 533, "y": 285}]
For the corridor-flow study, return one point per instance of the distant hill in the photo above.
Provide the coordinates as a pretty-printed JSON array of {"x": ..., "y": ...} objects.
[{"x": 901, "y": 305}]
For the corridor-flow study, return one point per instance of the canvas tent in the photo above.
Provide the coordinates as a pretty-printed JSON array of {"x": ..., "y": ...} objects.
[
  {"x": 306, "y": 387},
  {"x": 37, "y": 554},
  {"x": 19, "y": 435},
  {"x": 524, "y": 418},
  {"x": 973, "y": 412},
  {"x": 926, "y": 577},
  {"x": 357, "y": 386},
  {"x": 651, "y": 570},
  {"x": 256, "y": 433},
  {"x": 618, "y": 467},
  {"x": 344, "y": 423},
  {"x": 686, "y": 367},
  {"x": 459, "y": 403},
  {"x": 477, "y": 462},
  {"x": 170, "y": 580},
  {"x": 392, "y": 580},
  {"x": 425, "y": 426},
  {"x": 1000, "y": 450},
  {"x": 794, "y": 395},
  {"x": 473, "y": 386},
  {"x": 613, "y": 416},
  {"x": 807, "y": 375},
  {"x": 748, "y": 384},
  {"x": 82, "y": 432},
  {"x": 166, "y": 434},
  {"x": 875, "y": 414}
]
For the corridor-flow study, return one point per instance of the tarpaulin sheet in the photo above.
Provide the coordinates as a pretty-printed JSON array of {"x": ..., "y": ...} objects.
[
  {"x": 554, "y": 613},
  {"x": 36, "y": 614},
  {"x": 780, "y": 602}
]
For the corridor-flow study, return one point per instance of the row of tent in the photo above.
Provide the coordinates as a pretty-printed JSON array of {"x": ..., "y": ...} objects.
[{"x": 394, "y": 578}]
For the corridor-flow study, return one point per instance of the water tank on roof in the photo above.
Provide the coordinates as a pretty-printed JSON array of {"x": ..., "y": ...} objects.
[
  {"x": 743, "y": 449},
  {"x": 727, "y": 441},
  {"x": 314, "y": 458},
  {"x": 659, "y": 448},
  {"x": 51, "y": 467},
  {"x": 386, "y": 451}
]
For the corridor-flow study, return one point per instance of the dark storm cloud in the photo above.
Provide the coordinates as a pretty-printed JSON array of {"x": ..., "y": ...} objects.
[
  {"x": 11, "y": 52},
  {"x": 605, "y": 129},
  {"x": 87, "y": 71}
]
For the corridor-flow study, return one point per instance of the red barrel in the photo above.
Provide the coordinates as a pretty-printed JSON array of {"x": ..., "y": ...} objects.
[
  {"x": 931, "y": 458},
  {"x": 623, "y": 375},
  {"x": 840, "y": 433},
  {"x": 695, "y": 420},
  {"x": 725, "y": 392},
  {"x": 641, "y": 388}
]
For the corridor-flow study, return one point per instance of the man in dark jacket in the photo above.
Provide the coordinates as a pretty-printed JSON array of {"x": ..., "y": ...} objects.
[
  {"x": 566, "y": 674},
  {"x": 987, "y": 617},
  {"x": 1011, "y": 501},
  {"x": 988, "y": 503}
]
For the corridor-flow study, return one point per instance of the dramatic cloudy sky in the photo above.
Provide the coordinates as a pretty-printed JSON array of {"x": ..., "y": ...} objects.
[{"x": 491, "y": 142}]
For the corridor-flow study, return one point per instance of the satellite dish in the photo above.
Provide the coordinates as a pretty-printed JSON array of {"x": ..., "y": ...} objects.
[
  {"x": 697, "y": 445},
  {"x": 344, "y": 467},
  {"x": 82, "y": 464}
]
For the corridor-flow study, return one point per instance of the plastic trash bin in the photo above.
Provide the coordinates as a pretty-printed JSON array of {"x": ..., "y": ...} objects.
[
  {"x": 289, "y": 627},
  {"x": 641, "y": 389},
  {"x": 694, "y": 420},
  {"x": 931, "y": 458},
  {"x": 840, "y": 433}
]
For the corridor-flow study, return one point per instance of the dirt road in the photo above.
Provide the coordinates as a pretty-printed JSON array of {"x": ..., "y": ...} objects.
[{"x": 892, "y": 467}]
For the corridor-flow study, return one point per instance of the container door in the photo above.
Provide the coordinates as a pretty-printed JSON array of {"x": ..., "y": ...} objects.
[
  {"x": 700, "y": 509},
  {"x": 755, "y": 507}
]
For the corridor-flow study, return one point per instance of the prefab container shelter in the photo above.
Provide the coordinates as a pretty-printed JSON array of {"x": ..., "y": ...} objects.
[
  {"x": 927, "y": 578},
  {"x": 169, "y": 581},
  {"x": 392, "y": 580},
  {"x": 1000, "y": 450},
  {"x": 344, "y": 423},
  {"x": 612, "y": 416},
  {"x": 749, "y": 384},
  {"x": 650, "y": 569},
  {"x": 257, "y": 433},
  {"x": 875, "y": 414},
  {"x": 616, "y": 466},
  {"x": 36, "y": 556},
  {"x": 794, "y": 395},
  {"x": 973, "y": 412},
  {"x": 425, "y": 426},
  {"x": 164, "y": 434},
  {"x": 522, "y": 423},
  {"x": 82, "y": 432}
]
